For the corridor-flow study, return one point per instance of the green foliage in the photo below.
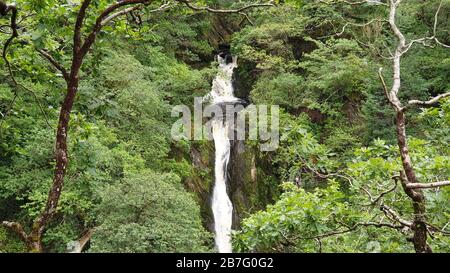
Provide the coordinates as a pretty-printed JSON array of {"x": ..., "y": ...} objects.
[
  {"x": 336, "y": 74},
  {"x": 297, "y": 212},
  {"x": 284, "y": 90},
  {"x": 130, "y": 182},
  {"x": 299, "y": 150},
  {"x": 122, "y": 95},
  {"x": 9, "y": 243},
  {"x": 309, "y": 68},
  {"x": 148, "y": 212}
]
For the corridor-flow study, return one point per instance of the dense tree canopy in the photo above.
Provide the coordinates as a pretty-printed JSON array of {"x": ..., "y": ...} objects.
[{"x": 86, "y": 91}]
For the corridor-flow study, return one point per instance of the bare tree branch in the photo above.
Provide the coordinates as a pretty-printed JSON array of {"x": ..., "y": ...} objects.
[
  {"x": 427, "y": 103},
  {"x": 163, "y": 7},
  {"x": 247, "y": 18},
  {"x": 212, "y": 10},
  {"x": 427, "y": 185},
  {"x": 38, "y": 103},
  {"x": 16, "y": 228},
  {"x": 240, "y": 11},
  {"x": 358, "y": 25},
  {"x": 374, "y": 201},
  {"x": 55, "y": 63},
  {"x": 78, "y": 25},
  {"x": 410, "y": 192},
  {"x": 385, "y": 89},
  {"x": 397, "y": 54},
  {"x": 81, "y": 243},
  {"x": 350, "y": 229},
  {"x": 119, "y": 13},
  {"x": 434, "y": 228},
  {"x": 362, "y": 2},
  {"x": 325, "y": 175},
  {"x": 431, "y": 38},
  {"x": 394, "y": 215}
]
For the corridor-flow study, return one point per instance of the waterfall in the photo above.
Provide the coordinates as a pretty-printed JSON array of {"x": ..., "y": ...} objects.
[{"x": 222, "y": 92}]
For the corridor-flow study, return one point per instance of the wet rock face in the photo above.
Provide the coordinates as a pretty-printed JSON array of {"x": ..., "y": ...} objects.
[
  {"x": 243, "y": 81},
  {"x": 225, "y": 53},
  {"x": 238, "y": 176},
  {"x": 201, "y": 182},
  {"x": 251, "y": 182}
]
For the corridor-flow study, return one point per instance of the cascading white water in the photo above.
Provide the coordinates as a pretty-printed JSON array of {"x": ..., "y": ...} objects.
[{"x": 222, "y": 92}]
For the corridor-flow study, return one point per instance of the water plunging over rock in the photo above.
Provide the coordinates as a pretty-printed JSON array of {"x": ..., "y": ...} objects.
[{"x": 222, "y": 93}]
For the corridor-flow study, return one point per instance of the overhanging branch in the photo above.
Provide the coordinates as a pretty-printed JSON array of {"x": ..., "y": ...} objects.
[
  {"x": 212, "y": 10},
  {"x": 352, "y": 228},
  {"x": 163, "y": 7}
]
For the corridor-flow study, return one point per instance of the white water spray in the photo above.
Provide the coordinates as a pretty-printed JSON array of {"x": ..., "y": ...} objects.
[{"x": 222, "y": 92}]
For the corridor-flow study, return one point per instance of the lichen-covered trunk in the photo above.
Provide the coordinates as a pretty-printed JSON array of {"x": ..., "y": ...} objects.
[
  {"x": 35, "y": 246},
  {"x": 61, "y": 156}
]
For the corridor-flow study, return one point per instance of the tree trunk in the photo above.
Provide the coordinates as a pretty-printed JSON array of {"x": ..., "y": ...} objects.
[
  {"x": 61, "y": 155},
  {"x": 419, "y": 223},
  {"x": 35, "y": 246}
]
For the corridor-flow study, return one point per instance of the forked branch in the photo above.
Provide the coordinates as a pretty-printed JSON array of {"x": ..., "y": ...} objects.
[{"x": 427, "y": 103}]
